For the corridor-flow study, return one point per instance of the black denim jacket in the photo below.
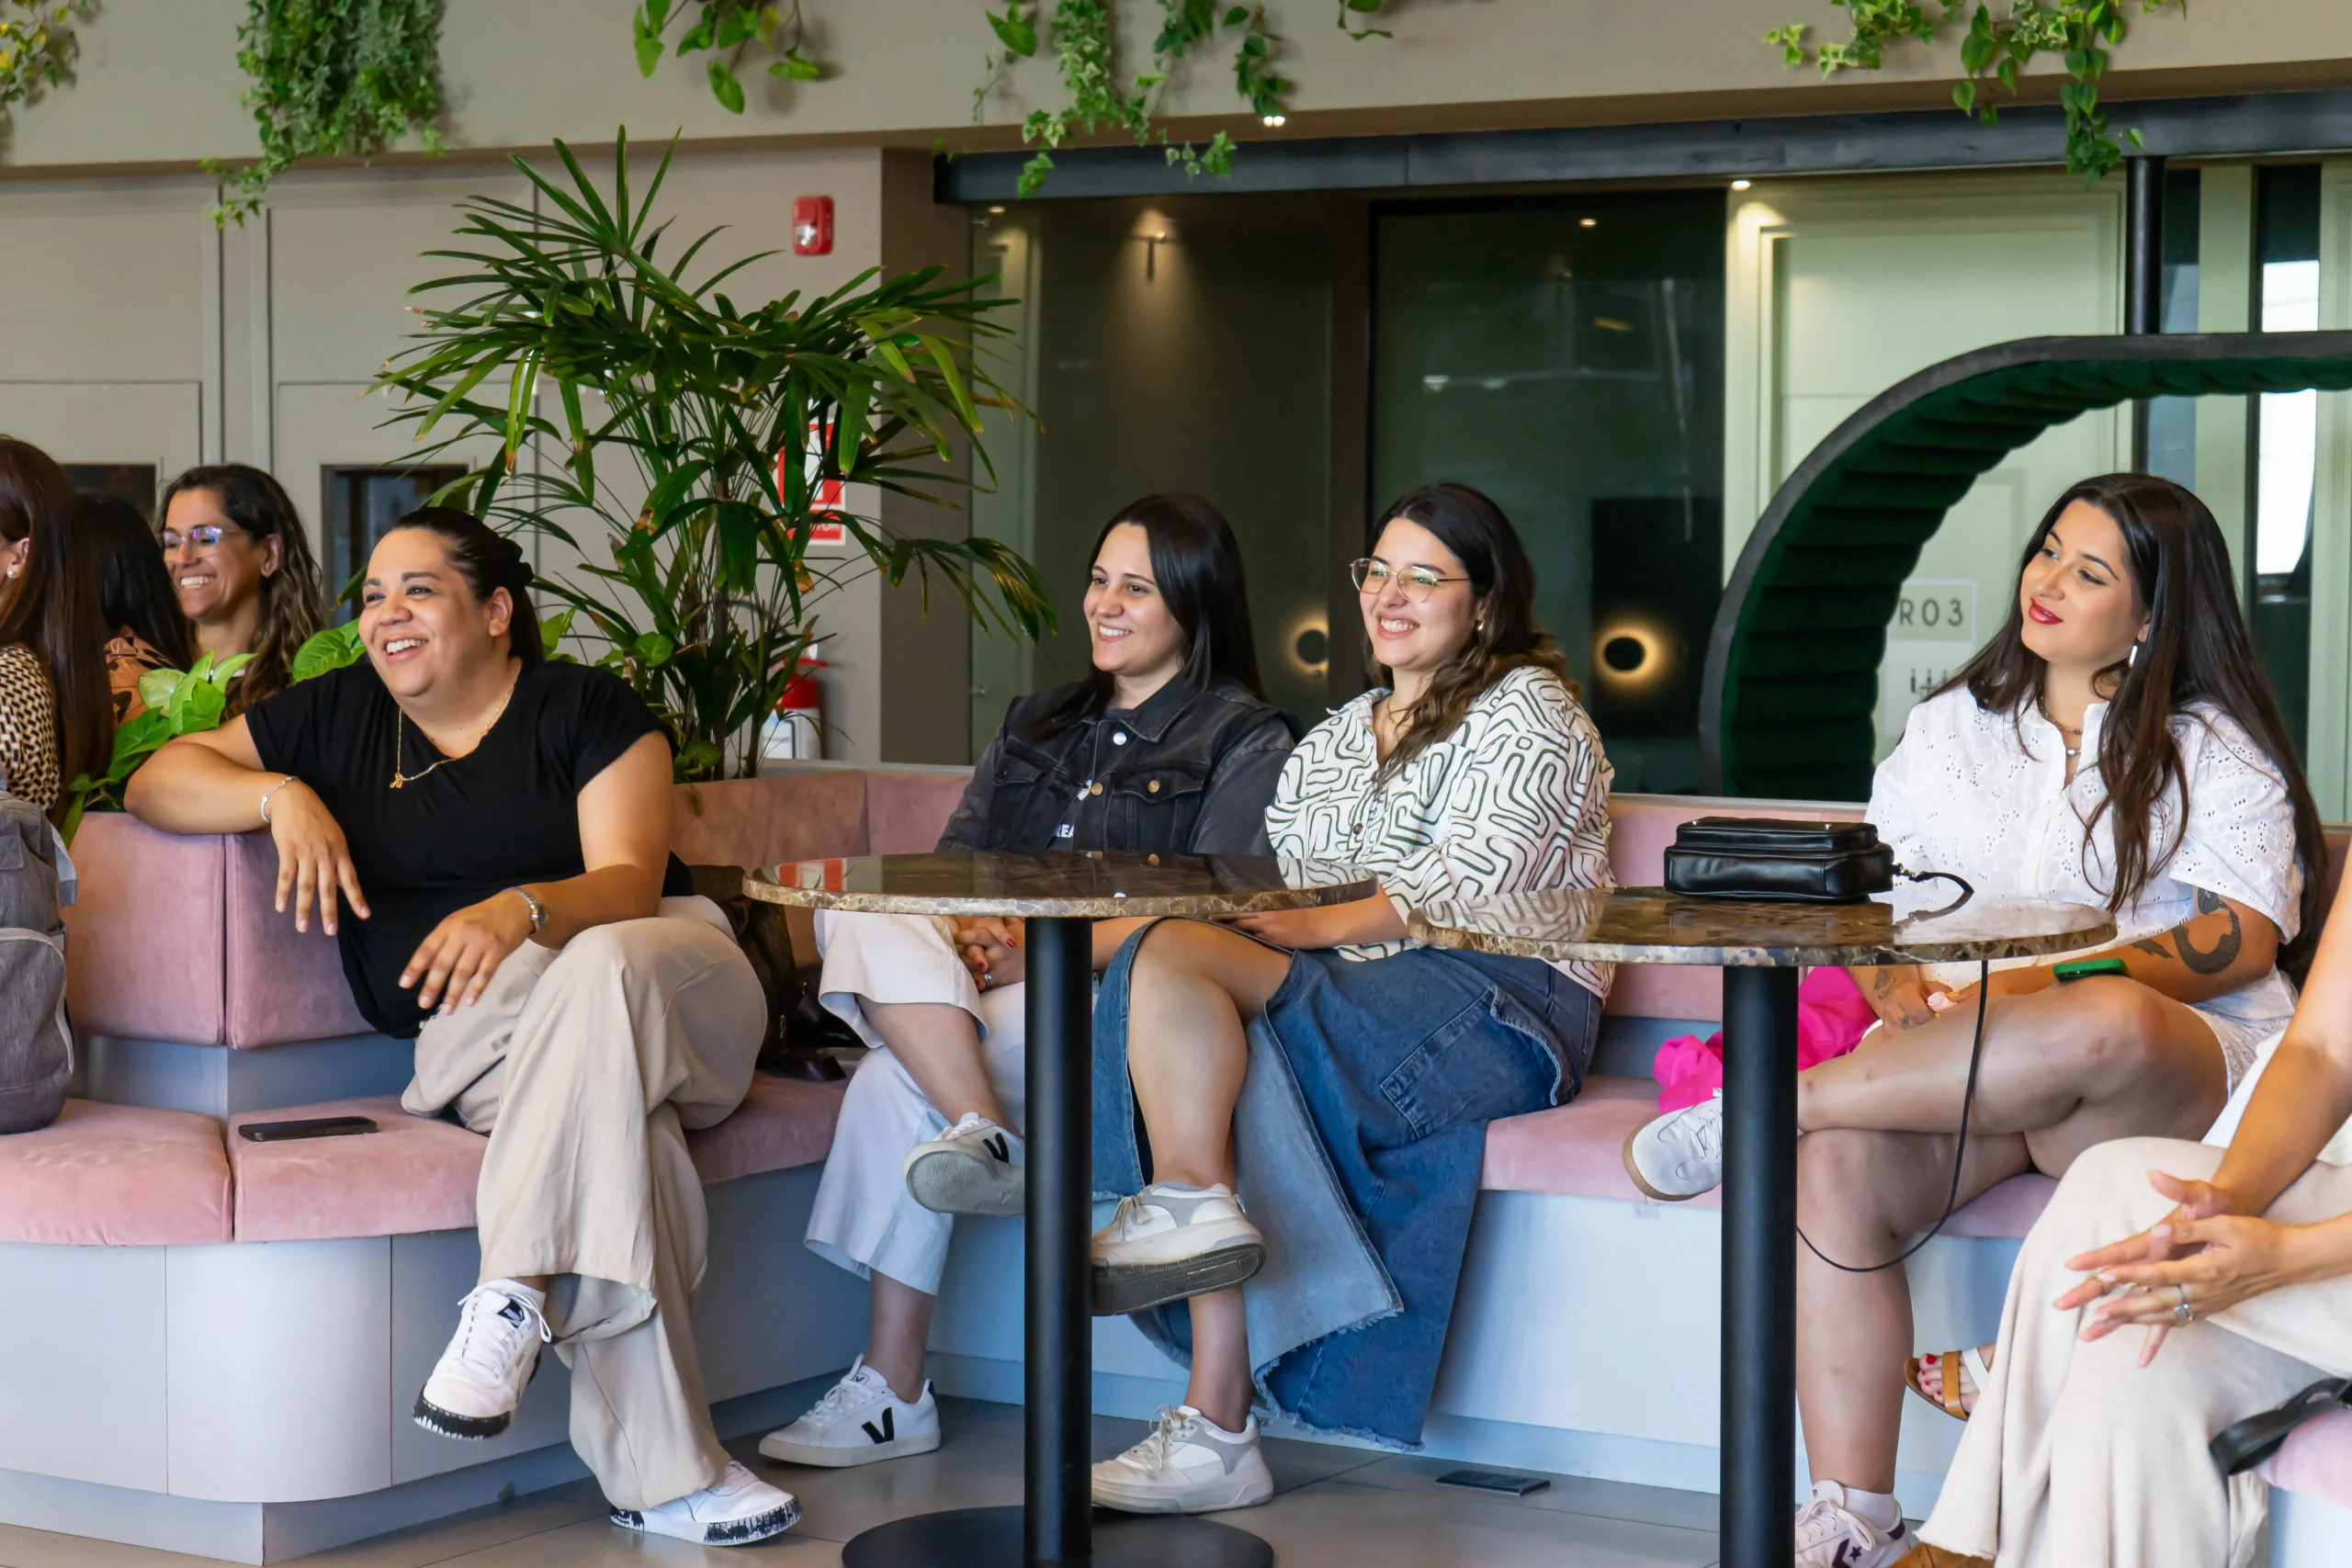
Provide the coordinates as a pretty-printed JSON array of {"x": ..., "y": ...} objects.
[{"x": 1190, "y": 772}]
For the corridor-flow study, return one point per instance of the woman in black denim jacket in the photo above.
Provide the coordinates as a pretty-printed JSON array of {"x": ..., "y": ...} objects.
[{"x": 1166, "y": 747}]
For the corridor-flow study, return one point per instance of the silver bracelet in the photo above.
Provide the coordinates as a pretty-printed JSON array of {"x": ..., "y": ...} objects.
[
  {"x": 538, "y": 910},
  {"x": 270, "y": 791}
]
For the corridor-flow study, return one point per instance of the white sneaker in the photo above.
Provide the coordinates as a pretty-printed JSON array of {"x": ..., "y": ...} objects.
[
  {"x": 857, "y": 1422},
  {"x": 1680, "y": 1154},
  {"x": 1830, "y": 1535},
  {"x": 491, "y": 1359},
  {"x": 974, "y": 1167},
  {"x": 737, "y": 1511},
  {"x": 1170, "y": 1241},
  {"x": 1187, "y": 1464}
]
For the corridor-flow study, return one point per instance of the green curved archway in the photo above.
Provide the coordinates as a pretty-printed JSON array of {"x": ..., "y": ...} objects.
[{"x": 1792, "y": 675}]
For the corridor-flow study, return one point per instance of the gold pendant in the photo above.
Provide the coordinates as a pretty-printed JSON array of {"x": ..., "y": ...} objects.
[{"x": 398, "y": 781}]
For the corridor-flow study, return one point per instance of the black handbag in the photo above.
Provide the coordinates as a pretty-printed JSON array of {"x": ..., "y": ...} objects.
[
  {"x": 2241, "y": 1445},
  {"x": 1765, "y": 857}
]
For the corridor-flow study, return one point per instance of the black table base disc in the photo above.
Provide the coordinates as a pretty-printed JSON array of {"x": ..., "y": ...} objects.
[{"x": 991, "y": 1537}]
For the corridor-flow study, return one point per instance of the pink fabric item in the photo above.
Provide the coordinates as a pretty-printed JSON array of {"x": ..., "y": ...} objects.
[
  {"x": 2317, "y": 1459},
  {"x": 906, "y": 812},
  {"x": 144, "y": 960},
  {"x": 115, "y": 1176},
  {"x": 283, "y": 984},
  {"x": 782, "y": 1123},
  {"x": 1577, "y": 1151},
  {"x": 415, "y": 1174},
  {"x": 1831, "y": 1018}
]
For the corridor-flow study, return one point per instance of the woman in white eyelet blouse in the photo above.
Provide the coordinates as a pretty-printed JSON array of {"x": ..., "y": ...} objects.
[{"x": 2115, "y": 744}]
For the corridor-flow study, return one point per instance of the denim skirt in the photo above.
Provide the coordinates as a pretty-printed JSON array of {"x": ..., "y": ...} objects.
[{"x": 1390, "y": 1069}]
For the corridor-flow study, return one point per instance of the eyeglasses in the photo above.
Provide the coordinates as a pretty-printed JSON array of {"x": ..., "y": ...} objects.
[
  {"x": 204, "y": 537},
  {"x": 1415, "y": 583}
]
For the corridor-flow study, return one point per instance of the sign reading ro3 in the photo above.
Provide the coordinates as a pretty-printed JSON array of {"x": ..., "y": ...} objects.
[{"x": 1931, "y": 634}]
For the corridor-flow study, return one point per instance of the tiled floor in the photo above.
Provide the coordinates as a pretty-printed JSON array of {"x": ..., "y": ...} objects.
[{"x": 1336, "y": 1508}]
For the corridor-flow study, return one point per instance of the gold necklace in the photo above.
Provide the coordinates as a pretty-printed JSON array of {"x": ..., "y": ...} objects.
[{"x": 399, "y": 721}]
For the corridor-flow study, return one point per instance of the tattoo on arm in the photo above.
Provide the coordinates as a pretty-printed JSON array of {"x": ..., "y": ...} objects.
[
  {"x": 1882, "y": 982},
  {"x": 2224, "y": 952},
  {"x": 2154, "y": 947}
]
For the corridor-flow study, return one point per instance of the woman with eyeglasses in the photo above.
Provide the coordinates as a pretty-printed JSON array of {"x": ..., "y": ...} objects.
[
  {"x": 241, "y": 563},
  {"x": 1351, "y": 1072}
]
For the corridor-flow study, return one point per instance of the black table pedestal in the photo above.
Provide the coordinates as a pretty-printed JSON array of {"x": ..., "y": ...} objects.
[
  {"x": 1057, "y": 1524},
  {"x": 1760, "y": 1311}
]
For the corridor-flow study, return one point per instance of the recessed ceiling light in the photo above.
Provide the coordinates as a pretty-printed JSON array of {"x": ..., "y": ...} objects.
[
  {"x": 996, "y": 209},
  {"x": 1588, "y": 222},
  {"x": 1273, "y": 120},
  {"x": 1740, "y": 185}
]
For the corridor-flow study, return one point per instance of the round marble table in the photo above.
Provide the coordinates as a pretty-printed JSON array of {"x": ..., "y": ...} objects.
[
  {"x": 1760, "y": 946},
  {"x": 1061, "y": 896}
]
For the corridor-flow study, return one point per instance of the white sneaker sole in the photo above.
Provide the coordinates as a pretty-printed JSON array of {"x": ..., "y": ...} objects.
[
  {"x": 717, "y": 1532},
  {"x": 1174, "y": 1266},
  {"x": 955, "y": 1181},
  {"x": 1214, "y": 1497},
  {"x": 776, "y": 1447},
  {"x": 1634, "y": 1170}
]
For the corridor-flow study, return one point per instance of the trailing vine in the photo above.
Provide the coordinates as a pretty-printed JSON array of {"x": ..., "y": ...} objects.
[
  {"x": 35, "y": 46},
  {"x": 332, "y": 78},
  {"x": 726, "y": 28},
  {"x": 1996, "y": 49},
  {"x": 1083, "y": 36}
]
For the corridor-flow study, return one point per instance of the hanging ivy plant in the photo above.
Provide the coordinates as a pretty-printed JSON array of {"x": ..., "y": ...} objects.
[
  {"x": 35, "y": 46},
  {"x": 726, "y": 28},
  {"x": 332, "y": 78},
  {"x": 1084, "y": 39},
  {"x": 1996, "y": 49}
]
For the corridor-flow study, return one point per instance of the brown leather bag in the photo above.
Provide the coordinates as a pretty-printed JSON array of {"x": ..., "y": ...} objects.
[{"x": 801, "y": 1036}]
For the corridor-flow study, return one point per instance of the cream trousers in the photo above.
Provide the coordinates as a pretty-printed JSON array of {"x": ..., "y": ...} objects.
[
  {"x": 863, "y": 1219},
  {"x": 584, "y": 1065},
  {"x": 2078, "y": 1458}
]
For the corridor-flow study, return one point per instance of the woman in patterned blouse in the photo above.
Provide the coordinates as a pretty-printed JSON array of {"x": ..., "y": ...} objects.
[
  {"x": 1351, "y": 1073},
  {"x": 56, "y": 718},
  {"x": 146, "y": 630}
]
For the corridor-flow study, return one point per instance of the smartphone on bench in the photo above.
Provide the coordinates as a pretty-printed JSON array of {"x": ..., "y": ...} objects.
[{"x": 316, "y": 1127}]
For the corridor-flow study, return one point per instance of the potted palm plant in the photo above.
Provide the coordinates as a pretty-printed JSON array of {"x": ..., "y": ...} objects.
[{"x": 688, "y": 447}]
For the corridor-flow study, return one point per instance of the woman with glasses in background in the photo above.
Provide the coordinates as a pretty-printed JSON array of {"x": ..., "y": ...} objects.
[
  {"x": 1350, "y": 1071},
  {"x": 241, "y": 562}
]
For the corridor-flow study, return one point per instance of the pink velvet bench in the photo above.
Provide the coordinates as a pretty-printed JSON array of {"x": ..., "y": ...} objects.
[{"x": 115, "y": 1176}]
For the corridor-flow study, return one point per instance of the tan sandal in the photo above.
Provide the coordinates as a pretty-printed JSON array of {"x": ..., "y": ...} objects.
[{"x": 1949, "y": 1365}]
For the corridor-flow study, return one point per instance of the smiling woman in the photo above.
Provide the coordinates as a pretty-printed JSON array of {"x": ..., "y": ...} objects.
[
  {"x": 241, "y": 562},
  {"x": 497, "y": 828}
]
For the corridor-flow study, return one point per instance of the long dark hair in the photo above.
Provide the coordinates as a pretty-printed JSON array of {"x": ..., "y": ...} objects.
[
  {"x": 488, "y": 561},
  {"x": 134, "y": 591},
  {"x": 292, "y": 609},
  {"x": 1197, "y": 564},
  {"x": 1502, "y": 581},
  {"x": 53, "y": 609},
  {"x": 2196, "y": 651}
]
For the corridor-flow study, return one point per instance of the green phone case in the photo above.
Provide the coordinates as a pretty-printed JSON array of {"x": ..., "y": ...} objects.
[{"x": 2076, "y": 968}]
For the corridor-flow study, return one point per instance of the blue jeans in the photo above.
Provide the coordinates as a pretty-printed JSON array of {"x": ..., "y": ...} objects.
[{"x": 1392, "y": 1069}]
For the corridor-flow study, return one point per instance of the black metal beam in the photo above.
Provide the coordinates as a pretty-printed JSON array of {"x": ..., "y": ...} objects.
[{"x": 2260, "y": 125}]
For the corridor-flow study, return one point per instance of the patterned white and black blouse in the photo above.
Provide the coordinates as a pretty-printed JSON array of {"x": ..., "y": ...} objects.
[
  {"x": 29, "y": 726},
  {"x": 1515, "y": 800}
]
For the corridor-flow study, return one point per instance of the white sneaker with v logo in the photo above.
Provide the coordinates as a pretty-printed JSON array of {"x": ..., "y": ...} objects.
[
  {"x": 974, "y": 1167},
  {"x": 857, "y": 1422}
]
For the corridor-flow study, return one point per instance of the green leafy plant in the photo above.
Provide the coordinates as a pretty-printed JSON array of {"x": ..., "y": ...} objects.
[
  {"x": 1996, "y": 47},
  {"x": 688, "y": 446},
  {"x": 178, "y": 703},
  {"x": 332, "y": 78},
  {"x": 37, "y": 46},
  {"x": 726, "y": 28},
  {"x": 1083, "y": 35}
]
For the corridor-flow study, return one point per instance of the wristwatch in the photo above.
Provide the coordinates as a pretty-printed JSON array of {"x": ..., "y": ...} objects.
[{"x": 539, "y": 909}]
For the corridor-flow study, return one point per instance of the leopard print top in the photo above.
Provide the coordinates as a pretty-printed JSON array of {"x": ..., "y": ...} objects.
[{"x": 29, "y": 726}]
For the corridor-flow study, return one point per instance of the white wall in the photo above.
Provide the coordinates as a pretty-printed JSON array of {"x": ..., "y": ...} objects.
[{"x": 1839, "y": 288}]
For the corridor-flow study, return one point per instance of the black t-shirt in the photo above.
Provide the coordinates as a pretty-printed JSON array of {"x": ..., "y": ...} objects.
[{"x": 506, "y": 812}]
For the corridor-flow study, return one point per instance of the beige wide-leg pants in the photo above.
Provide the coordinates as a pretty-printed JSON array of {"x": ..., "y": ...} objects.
[
  {"x": 2078, "y": 1458},
  {"x": 584, "y": 1065}
]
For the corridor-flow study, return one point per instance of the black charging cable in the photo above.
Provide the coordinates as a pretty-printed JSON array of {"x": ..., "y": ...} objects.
[{"x": 1959, "y": 1160}]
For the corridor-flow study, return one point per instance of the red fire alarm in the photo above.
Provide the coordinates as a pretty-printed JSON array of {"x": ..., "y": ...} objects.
[{"x": 812, "y": 225}]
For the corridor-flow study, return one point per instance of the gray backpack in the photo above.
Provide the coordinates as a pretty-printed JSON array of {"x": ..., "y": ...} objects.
[{"x": 36, "y": 1044}]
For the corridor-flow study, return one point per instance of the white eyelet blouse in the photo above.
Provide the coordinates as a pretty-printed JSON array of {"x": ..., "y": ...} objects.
[
  {"x": 1984, "y": 795},
  {"x": 1515, "y": 800}
]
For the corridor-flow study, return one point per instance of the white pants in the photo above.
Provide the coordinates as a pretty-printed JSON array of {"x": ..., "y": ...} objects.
[
  {"x": 864, "y": 1220},
  {"x": 2078, "y": 1458}
]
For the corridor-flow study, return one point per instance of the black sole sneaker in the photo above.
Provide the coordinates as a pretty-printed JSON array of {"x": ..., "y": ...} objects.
[
  {"x": 466, "y": 1428},
  {"x": 1136, "y": 1287},
  {"x": 731, "y": 1532}
]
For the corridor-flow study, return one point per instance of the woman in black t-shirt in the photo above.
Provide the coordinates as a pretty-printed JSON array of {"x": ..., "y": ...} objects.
[{"x": 499, "y": 828}]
